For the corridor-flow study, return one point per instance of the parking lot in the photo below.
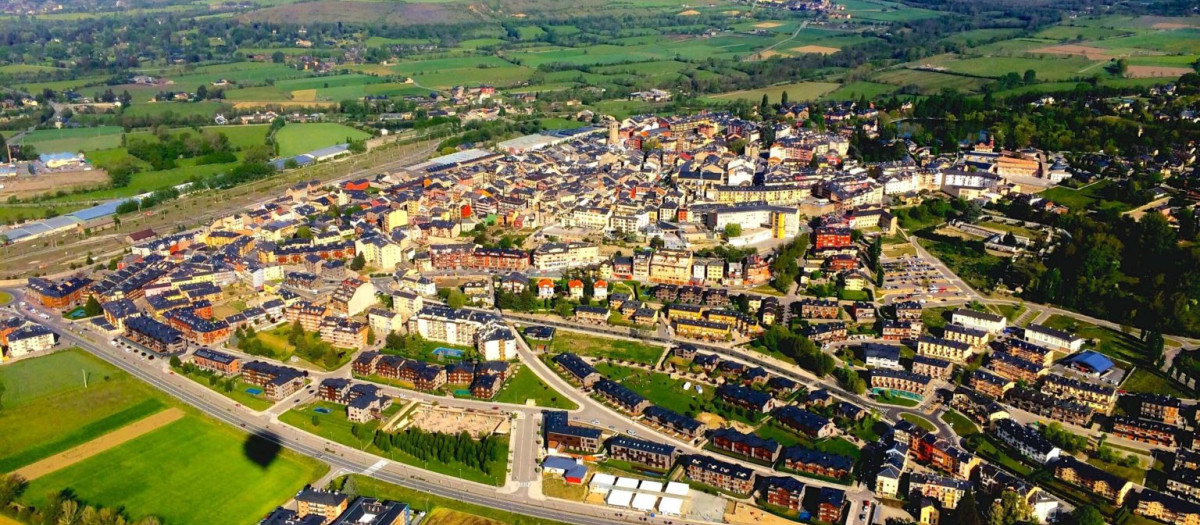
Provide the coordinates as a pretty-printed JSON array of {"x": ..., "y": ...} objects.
[{"x": 911, "y": 277}]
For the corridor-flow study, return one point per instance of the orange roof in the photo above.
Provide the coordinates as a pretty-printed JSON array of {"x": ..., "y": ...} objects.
[
  {"x": 545, "y": 282},
  {"x": 600, "y": 284},
  {"x": 575, "y": 284}
]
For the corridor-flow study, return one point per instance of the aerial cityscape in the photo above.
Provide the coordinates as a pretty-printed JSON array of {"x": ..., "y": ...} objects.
[{"x": 480, "y": 262}]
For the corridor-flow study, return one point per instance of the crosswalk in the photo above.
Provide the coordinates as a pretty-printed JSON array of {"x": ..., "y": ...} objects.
[{"x": 379, "y": 465}]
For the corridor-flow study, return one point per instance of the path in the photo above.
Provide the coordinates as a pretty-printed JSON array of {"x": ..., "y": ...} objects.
[
  {"x": 110, "y": 440},
  {"x": 759, "y": 54}
]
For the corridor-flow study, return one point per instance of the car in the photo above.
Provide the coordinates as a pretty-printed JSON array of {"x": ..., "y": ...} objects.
[
  {"x": 632, "y": 432},
  {"x": 612, "y": 427},
  {"x": 595, "y": 421},
  {"x": 150, "y": 358}
]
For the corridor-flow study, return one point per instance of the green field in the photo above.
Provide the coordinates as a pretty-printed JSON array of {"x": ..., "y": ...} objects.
[
  {"x": 857, "y": 90},
  {"x": 1147, "y": 381},
  {"x": 668, "y": 393},
  {"x": 47, "y": 409},
  {"x": 1088, "y": 197},
  {"x": 239, "y": 393},
  {"x": 1185, "y": 41},
  {"x": 179, "y": 471},
  {"x": 335, "y": 427},
  {"x": 1124, "y": 347},
  {"x": 424, "y": 501},
  {"x": 929, "y": 82},
  {"x": 603, "y": 347},
  {"x": 800, "y": 91},
  {"x": 1047, "y": 67},
  {"x": 526, "y": 385},
  {"x": 74, "y": 139},
  {"x": 918, "y": 421},
  {"x": 204, "y": 109},
  {"x": 295, "y": 139}
]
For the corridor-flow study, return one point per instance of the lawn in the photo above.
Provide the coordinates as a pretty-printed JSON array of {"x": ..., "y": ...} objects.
[
  {"x": 5, "y": 298},
  {"x": 603, "y": 347},
  {"x": 1108, "y": 342},
  {"x": 1134, "y": 474},
  {"x": 895, "y": 400},
  {"x": 1009, "y": 311},
  {"x": 46, "y": 408},
  {"x": 178, "y": 471},
  {"x": 1148, "y": 381},
  {"x": 919, "y": 421},
  {"x": 204, "y": 109},
  {"x": 1087, "y": 197},
  {"x": 961, "y": 425},
  {"x": 74, "y": 139},
  {"x": 857, "y": 90},
  {"x": 526, "y": 385},
  {"x": 295, "y": 139},
  {"x": 668, "y": 393},
  {"x": 426, "y": 502},
  {"x": 335, "y": 427}
]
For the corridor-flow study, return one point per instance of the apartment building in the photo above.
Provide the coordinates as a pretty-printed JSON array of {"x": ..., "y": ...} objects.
[
  {"x": 1100, "y": 398},
  {"x": 561, "y": 256},
  {"x": 1111, "y": 487},
  {"x": 950, "y": 350},
  {"x": 990, "y": 323},
  {"x": 725, "y": 476},
  {"x": 649, "y": 454}
]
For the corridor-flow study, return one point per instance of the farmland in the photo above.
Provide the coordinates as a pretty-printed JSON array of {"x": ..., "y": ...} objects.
[
  {"x": 295, "y": 139},
  {"x": 799, "y": 91},
  {"x": 74, "y": 139}
]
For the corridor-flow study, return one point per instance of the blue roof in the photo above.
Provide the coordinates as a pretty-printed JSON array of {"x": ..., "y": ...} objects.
[
  {"x": 87, "y": 214},
  {"x": 559, "y": 462},
  {"x": 1098, "y": 363},
  {"x": 66, "y": 155},
  {"x": 331, "y": 150}
]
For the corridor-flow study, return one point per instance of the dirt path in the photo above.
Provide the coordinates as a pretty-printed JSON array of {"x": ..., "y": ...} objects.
[{"x": 110, "y": 440}]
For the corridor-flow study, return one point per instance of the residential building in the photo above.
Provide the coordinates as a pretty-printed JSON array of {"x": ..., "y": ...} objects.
[
  {"x": 1100, "y": 398},
  {"x": 803, "y": 421},
  {"x": 1053, "y": 338},
  {"x": 582, "y": 372},
  {"x": 218, "y": 362},
  {"x": 1167, "y": 509},
  {"x": 947, "y": 349},
  {"x": 944, "y": 490},
  {"x": 882, "y": 356},
  {"x": 816, "y": 463},
  {"x": 747, "y": 445},
  {"x": 370, "y": 511},
  {"x": 991, "y": 323},
  {"x": 725, "y": 476},
  {"x": 154, "y": 335},
  {"x": 989, "y": 383},
  {"x": 325, "y": 503},
  {"x": 784, "y": 492},
  {"x": 561, "y": 434},
  {"x": 932, "y": 367},
  {"x": 746, "y": 398},
  {"x": 28, "y": 339},
  {"x": 899, "y": 382},
  {"x": 1026, "y": 440},
  {"x": 650, "y": 454},
  {"x": 1145, "y": 431},
  {"x": 830, "y": 502},
  {"x": 1111, "y": 487},
  {"x": 621, "y": 396},
  {"x": 974, "y": 337}
]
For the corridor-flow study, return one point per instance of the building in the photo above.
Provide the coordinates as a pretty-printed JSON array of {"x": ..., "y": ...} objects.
[
  {"x": 218, "y": 362},
  {"x": 649, "y": 454},
  {"x": 1159, "y": 407},
  {"x": 562, "y": 435},
  {"x": 944, "y": 490},
  {"x": 932, "y": 367},
  {"x": 352, "y": 297},
  {"x": 1026, "y": 440},
  {"x": 621, "y": 396},
  {"x": 561, "y": 256},
  {"x": 277, "y": 382},
  {"x": 674, "y": 421},
  {"x": 818, "y": 309},
  {"x": 1029, "y": 351},
  {"x": 746, "y": 445},
  {"x": 947, "y": 349},
  {"x": 701, "y": 329},
  {"x": 830, "y": 503},
  {"x": 899, "y": 382},
  {"x": 671, "y": 266},
  {"x": 816, "y": 463},
  {"x": 1108, "y": 486},
  {"x": 784, "y": 492},
  {"x": 325, "y": 503},
  {"x": 344, "y": 333},
  {"x": 1099, "y": 398},
  {"x": 1042, "y": 404},
  {"x": 746, "y": 398},
  {"x": 728, "y": 477},
  {"x": 1167, "y": 509},
  {"x": 28, "y": 339},
  {"x": 582, "y": 372},
  {"x": 989, "y": 383},
  {"x": 1011, "y": 367},
  {"x": 882, "y": 356},
  {"x": 370, "y": 511},
  {"x": 154, "y": 335},
  {"x": 804, "y": 422},
  {"x": 1053, "y": 338},
  {"x": 991, "y": 323},
  {"x": 58, "y": 295},
  {"x": 972, "y": 336},
  {"x": 1144, "y": 431}
]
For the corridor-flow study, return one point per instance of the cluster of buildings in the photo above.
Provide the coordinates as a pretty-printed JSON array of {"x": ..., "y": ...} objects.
[
  {"x": 19, "y": 338},
  {"x": 328, "y": 507},
  {"x": 484, "y": 379}
]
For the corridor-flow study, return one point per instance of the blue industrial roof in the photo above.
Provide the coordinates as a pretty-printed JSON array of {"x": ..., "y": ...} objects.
[
  {"x": 1096, "y": 362},
  {"x": 87, "y": 214}
]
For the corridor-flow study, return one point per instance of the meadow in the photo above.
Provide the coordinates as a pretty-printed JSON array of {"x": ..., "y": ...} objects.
[
  {"x": 603, "y": 347},
  {"x": 295, "y": 139},
  {"x": 47, "y": 409},
  {"x": 799, "y": 91},
  {"x": 526, "y": 386},
  {"x": 178, "y": 471},
  {"x": 929, "y": 82}
]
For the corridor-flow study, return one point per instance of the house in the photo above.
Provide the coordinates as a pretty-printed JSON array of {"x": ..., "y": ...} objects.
[
  {"x": 811, "y": 308},
  {"x": 1029, "y": 351},
  {"x": 326, "y": 503},
  {"x": 803, "y": 421},
  {"x": 673, "y": 421},
  {"x": 882, "y": 356},
  {"x": 946, "y": 491},
  {"x": 950, "y": 350},
  {"x": 218, "y": 362},
  {"x": 1026, "y": 440},
  {"x": 582, "y": 372},
  {"x": 746, "y": 398},
  {"x": 591, "y": 314},
  {"x": 570, "y": 469},
  {"x": 651, "y": 454},
  {"x": 816, "y": 463},
  {"x": 485, "y": 386},
  {"x": 1167, "y": 509},
  {"x": 887, "y": 482},
  {"x": 621, "y": 396},
  {"x": 719, "y": 474},
  {"x": 746, "y": 445},
  {"x": 1111, "y": 487},
  {"x": 1144, "y": 431}
]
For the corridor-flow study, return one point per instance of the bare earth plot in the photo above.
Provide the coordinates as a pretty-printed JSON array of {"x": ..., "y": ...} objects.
[
  {"x": 1092, "y": 53},
  {"x": 824, "y": 50},
  {"x": 1157, "y": 71},
  {"x": 110, "y": 440}
]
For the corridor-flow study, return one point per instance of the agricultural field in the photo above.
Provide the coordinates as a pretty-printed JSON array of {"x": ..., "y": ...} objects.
[
  {"x": 605, "y": 348},
  {"x": 857, "y": 90},
  {"x": 1048, "y": 67},
  {"x": 295, "y": 139},
  {"x": 48, "y": 409},
  {"x": 177, "y": 471},
  {"x": 204, "y": 109},
  {"x": 74, "y": 139},
  {"x": 799, "y": 91},
  {"x": 929, "y": 82}
]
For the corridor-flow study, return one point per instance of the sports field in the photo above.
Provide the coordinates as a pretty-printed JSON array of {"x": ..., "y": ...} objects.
[
  {"x": 191, "y": 472},
  {"x": 295, "y": 139},
  {"x": 47, "y": 409}
]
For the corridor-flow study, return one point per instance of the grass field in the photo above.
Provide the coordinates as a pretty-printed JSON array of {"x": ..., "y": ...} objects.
[
  {"x": 424, "y": 501},
  {"x": 74, "y": 139},
  {"x": 668, "y": 393},
  {"x": 1144, "y": 380},
  {"x": 47, "y": 409},
  {"x": 178, "y": 471},
  {"x": 527, "y": 386},
  {"x": 798, "y": 91},
  {"x": 960, "y": 424},
  {"x": 1088, "y": 197},
  {"x": 180, "y": 109},
  {"x": 295, "y": 139},
  {"x": 445, "y": 516},
  {"x": 1051, "y": 67},
  {"x": 5, "y": 298},
  {"x": 603, "y": 347},
  {"x": 335, "y": 427},
  {"x": 239, "y": 393},
  {"x": 919, "y": 421},
  {"x": 857, "y": 90}
]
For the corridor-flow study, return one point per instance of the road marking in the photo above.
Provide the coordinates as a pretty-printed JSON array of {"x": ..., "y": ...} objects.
[{"x": 379, "y": 465}]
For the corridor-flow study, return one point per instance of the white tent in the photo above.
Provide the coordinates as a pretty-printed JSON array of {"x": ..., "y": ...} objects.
[
  {"x": 644, "y": 502},
  {"x": 651, "y": 486},
  {"x": 602, "y": 483},
  {"x": 619, "y": 498},
  {"x": 670, "y": 507},
  {"x": 676, "y": 488},
  {"x": 627, "y": 483}
]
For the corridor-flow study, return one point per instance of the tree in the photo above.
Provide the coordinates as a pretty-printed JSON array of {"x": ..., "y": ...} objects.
[
  {"x": 762, "y": 106},
  {"x": 456, "y": 299},
  {"x": 316, "y": 421},
  {"x": 92, "y": 308},
  {"x": 783, "y": 98},
  {"x": 370, "y": 335},
  {"x": 1154, "y": 345},
  {"x": 175, "y": 362},
  {"x": 11, "y": 487},
  {"x": 358, "y": 263},
  {"x": 1086, "y": 515},
  {"x": 966, "y": 513},
  {"x": 297, "y": 333},
  {"x": 733, "y": 230},
  {"x": 657, "y": 242},
  {"x": 1009, "y": 509},
  {"x": 1030, "y": 76},
  {"x": 277, "y": 57}
]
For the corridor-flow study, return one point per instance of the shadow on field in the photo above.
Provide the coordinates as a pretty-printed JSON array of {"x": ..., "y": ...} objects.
[{"x": 262, "y": 448}]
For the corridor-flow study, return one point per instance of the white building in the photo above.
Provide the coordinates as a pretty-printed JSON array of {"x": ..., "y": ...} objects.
[
  {"x": 990, "y": 323},
  {"x": 1053, "y": 338}
]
